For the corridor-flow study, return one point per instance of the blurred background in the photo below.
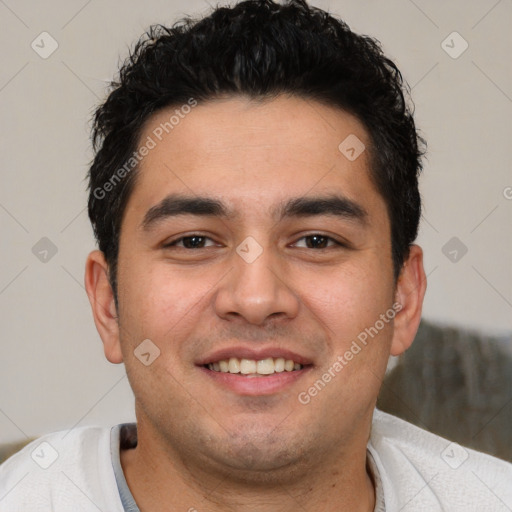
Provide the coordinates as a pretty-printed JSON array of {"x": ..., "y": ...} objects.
[{"x": 58, "y": 57}]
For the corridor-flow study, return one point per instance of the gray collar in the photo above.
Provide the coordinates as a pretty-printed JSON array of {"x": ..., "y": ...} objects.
[{"x": 123, "y": 437}]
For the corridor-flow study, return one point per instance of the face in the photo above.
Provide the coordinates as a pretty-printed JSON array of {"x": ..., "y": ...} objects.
[{"x": 250, "y": 236}]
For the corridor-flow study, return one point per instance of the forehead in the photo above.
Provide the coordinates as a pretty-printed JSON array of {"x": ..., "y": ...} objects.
[{"x": 253, "y": 154}]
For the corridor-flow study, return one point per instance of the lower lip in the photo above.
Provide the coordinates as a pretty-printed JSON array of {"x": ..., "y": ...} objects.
[{"x": 254, "y": 386}]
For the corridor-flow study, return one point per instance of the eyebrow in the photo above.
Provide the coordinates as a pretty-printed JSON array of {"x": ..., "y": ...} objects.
[
  {"x": 174, "y": 205},
  {"x": 335, "y": 205}
]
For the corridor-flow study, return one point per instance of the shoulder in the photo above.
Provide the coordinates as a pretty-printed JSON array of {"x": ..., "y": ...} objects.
[
  {"x": 422, "y": 471},
  {"x": 62, "y": 471}
]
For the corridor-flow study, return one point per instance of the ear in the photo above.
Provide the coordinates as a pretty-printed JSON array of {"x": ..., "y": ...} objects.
[
  {"x": 103, "y": 305},
  {"x": 410, "y": 291}
]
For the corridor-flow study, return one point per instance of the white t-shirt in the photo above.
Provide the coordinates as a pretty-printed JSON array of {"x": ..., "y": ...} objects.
[{"x": 414, "y": 471}]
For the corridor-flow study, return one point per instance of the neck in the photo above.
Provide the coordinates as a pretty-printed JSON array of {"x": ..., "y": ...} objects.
[{"x": 159, "y": 475}]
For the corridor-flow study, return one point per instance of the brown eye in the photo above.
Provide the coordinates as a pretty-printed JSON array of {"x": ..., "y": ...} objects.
[
  {"x": 318, "y": 241},
  {"x": 190, "y": 242}
]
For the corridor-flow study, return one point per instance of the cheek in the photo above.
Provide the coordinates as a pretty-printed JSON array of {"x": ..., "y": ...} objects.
[
  {"x": 160, "y": 306},
  {"x": 350, "y": 299},
  {"x": 163, "y": 304}
]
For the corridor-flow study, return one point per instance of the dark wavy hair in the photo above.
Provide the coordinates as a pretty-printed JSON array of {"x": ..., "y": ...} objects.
[{"x": 259, "y": 49}]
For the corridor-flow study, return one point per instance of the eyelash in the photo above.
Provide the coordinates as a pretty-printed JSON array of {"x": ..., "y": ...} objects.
[{"x": 195, "y": 235}]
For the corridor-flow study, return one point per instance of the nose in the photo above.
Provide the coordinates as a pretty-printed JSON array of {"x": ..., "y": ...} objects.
[{"x": 256, "y": 290}]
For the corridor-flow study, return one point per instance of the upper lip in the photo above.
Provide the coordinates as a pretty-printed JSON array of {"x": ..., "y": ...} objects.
[{"x": 242, "y": 352}]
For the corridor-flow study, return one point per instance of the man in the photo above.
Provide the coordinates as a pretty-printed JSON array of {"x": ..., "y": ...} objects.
[{"x": 254, "y": 195}]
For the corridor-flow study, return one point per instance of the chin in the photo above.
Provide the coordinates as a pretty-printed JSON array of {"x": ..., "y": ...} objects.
[{"x": 260, "y": 455}]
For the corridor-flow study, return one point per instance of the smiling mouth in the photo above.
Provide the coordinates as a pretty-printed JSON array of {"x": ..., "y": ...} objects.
[{"x": 253, "y": 368}]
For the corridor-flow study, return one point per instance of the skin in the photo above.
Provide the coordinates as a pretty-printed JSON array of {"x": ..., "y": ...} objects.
[{"x": 201, "y": 445}]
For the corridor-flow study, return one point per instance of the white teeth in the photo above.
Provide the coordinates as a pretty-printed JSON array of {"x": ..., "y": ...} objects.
[
  {"x": 247, "y": 366},
  {"x": 279, "y": 365},
  {"x": 267, "y": 366},
  {"x": 234, "y": 365}
]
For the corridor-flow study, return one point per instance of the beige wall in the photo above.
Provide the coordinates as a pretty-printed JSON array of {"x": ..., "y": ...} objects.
[{"x": 52, "y": 371}]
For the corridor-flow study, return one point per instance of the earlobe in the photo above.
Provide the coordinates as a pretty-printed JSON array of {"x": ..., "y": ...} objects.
[
  {"x": 103, "y": 305},
  {"x": 410, "y": 292}
]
